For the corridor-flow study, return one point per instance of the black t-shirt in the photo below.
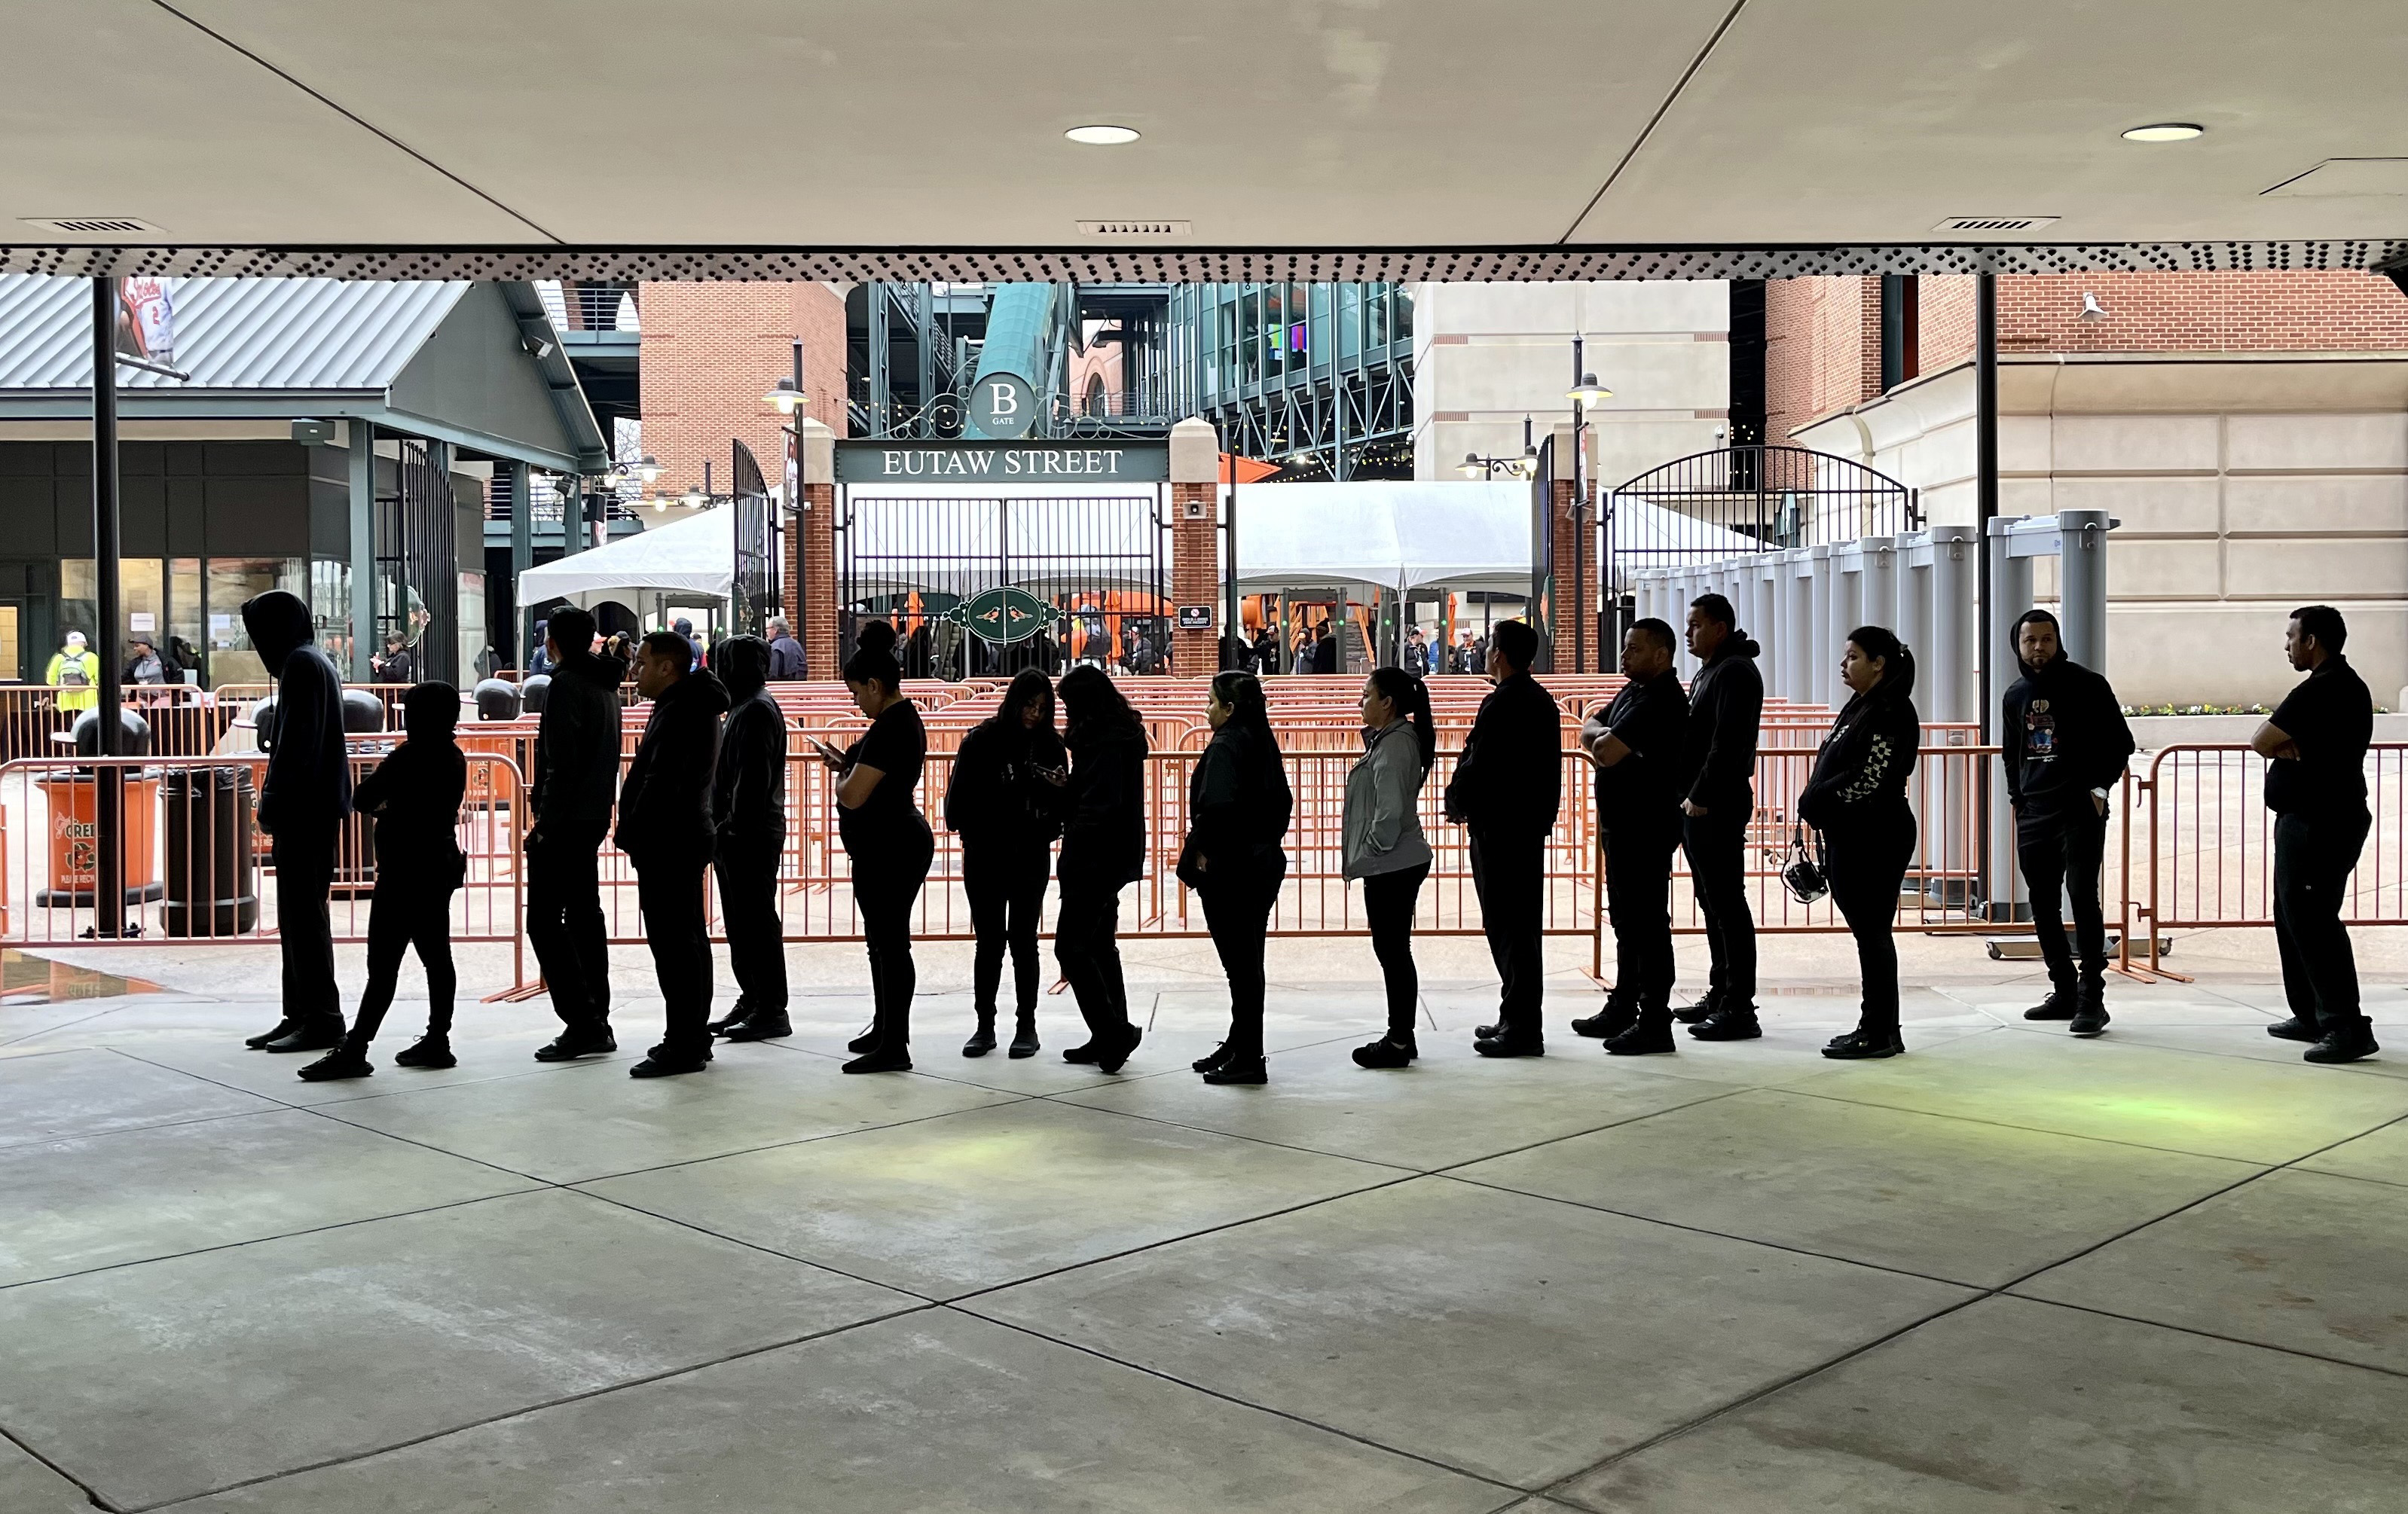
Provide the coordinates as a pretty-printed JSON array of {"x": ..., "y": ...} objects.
[
  {"x": 2331, "y": 716},
  {"x": 1652, "y": 719},
  {"x": 896, "y": 744}
]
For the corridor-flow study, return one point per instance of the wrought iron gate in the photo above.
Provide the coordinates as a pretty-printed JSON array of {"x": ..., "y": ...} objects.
[
  {"x": 417, "y": 560},
  {"x": 1099, "y": 563},
  {"x": 756, "y": 545}
]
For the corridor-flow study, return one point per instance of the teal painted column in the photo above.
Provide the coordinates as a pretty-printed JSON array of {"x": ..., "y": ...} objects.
[
  {"x": 363, "y": 511},
  {"x": 521, "y": 556}
]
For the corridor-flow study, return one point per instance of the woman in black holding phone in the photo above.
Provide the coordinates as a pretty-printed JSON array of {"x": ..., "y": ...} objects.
[
  {"x": 879, "y": 820},
  {"x": 1238, "y": 809},
  {"x": 1004, "y": 802},
  {"x": 1857, "y": 800},
  {"x": 1103, "y": 850}
]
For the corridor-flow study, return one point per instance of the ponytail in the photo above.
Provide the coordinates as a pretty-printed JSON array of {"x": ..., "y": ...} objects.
[
  {"x": 1898, "y": 662},
  {"x": 1243, "y": 693},
  {"x": 1411, "y": 696}
]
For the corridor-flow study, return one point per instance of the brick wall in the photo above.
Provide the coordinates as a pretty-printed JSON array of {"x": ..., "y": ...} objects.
[
  {"x": 1194, "y": 575},
  {"x": 1822, "y": 349},
  {"x": 810, "y": 580},
  {"x": 1944, "y": 334},
  {"x": 1574, "y": 601},
  {"x": 711, "y": 351}
]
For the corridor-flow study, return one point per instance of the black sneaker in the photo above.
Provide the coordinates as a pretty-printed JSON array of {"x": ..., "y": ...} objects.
[
  {"x": 762, "y": 1026},
  {"x": 1487, "y": 1032},
  {"x": 2295, "y": 1029},
  {"x": 1607, "y": 1022},
  {"x": 1024, "y": 1039},
  {"x": 2342, "y": 1046},
  {"x": 1084, "y": 1053},
  {"x": 1727, "y": 1025},
  {"x": 866, "y": 1041},
  {"x": 1113, "y": 1061},
  {"x": 2090, "y": 1016},
  {"x": 281, "y": 1029},
  {"x": 1387, "y": 1051},
  {"x": 731, "y": 1020},
  {"x": 1511, "y": 1046},
  {"x": 898, "y": 1059},
  {"x": 1704, "y": 1009},
  {"x": 2060, "y": 1005},
  {"x": 571, "y": 1045},
  {"x": 1211, "y": 1061},
  {"x": 1246, "y": 1071},
  {"x": 434, "y": 1052},
  {"x": 320, "y": 1033},
  {"x": 1859, "y": 1046},
  {"x": 657, "y": 1066},
  {"x": 1645, "y": 1038},
  {"x": 981, "y": 1039},
  {"x": 340, "y": 1063}
]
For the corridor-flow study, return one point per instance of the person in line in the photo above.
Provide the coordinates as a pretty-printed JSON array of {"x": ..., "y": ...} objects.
[
  {"x": 684, "y": 627},
  {"x": 75, "y": 673},
  {"x": 887, "y": 839},
  {"x": 415, "y": 795},
  {"x": 1856, "y": 798},
  {"x": 1638, "y": 743},
  {"x": 1417, "y": 653},
  {"x": 540, "y": 663},
  {"x": 1103, "y": 851},
  {"x": 748, "y": 808},
  {"x": 1325, "y": 648},
  {"x": 1267, "y": 652},
  {"x": 1005, "y": 803},
  {"x": 1718, "y": 759},
  {"x": 1237, "y": 809},
  {"x": 2314, "y": 746},
  {"x": 666, "y": 828},
  {"x": 143, "y": 663},
  {"x": 568, "y": 806},
  {"x": 2064, "y": 744},
  {"x": 1507, "y": 788},
  {"x": 1384, "y": 845},
  {"x": 786, "y": 652},
  {"x": 397, "y": 665},
  {"x": 303, "y": 798}
]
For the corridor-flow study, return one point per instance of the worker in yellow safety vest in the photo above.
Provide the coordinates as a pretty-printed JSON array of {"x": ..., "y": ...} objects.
[{"x": 74, "y": 672}]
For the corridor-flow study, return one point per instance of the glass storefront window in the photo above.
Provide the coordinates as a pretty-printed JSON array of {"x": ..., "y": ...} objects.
[
  {"x": 1274, "y": 329},
  {"x": 1249, "y": 332},
  {"x": 1349, "y": 320},
  {"x": 229, "y": 581},
  {"x": 181, "y": 648},
  {"x": 1317, "y": 340}
]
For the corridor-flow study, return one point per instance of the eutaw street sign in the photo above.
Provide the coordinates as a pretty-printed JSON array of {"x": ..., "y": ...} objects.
[{"x": 1002, "y": 462}]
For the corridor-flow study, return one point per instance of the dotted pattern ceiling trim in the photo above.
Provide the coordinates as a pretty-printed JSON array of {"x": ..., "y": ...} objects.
[{"x": 1190, "y": 265}]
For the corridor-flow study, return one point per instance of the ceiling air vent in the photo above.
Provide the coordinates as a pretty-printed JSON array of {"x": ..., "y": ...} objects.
[
  {"x": 1138, "y": 231},
  {"x": 1991, "y": 226},
  {"x": 92, "y": 225}
]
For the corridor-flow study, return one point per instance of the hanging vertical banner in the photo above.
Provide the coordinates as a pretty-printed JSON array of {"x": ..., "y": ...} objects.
[{"x": 146, "y": 320}]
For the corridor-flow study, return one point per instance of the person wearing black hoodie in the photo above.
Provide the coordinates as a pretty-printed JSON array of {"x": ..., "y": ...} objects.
[
  {"x": 2064, "y": 743},
  {"x": 1237, "y": 809},
  {"x": 415, "y": 795},
  {"x": 1103, "y": 851},
  {"x": 303, "y": 798},
  {"x": 1004, "y": 802},
  {"x": 666, "y": 830},
  {"x": 1856, "y": 799},
  {"x": 576, "y": 776},
  {"x": 1507, "y": 788},
  {"x": 748, "y": 807},
  {"x": 1726, "y": 715}
]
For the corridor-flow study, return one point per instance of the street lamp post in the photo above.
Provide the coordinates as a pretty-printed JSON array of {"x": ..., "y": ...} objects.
[
  {"x": 788, "y": 398},
  {"x": 1585, "y": 391}
]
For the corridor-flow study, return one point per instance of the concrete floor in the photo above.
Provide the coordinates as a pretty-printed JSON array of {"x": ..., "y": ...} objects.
[{"x": 2008, "y": 1272}]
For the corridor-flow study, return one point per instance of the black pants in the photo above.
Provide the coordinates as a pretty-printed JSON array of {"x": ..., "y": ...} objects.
[
  {"x": 1389, "y": 900},
  {"x": 1509, "y": 875},
  {"x": 747, "y": 872},
  {"x": 1866, "y": 866},
  {"x": 1006, "y": 884},
  {"x": 1237, "y": 912},
  {"x": 1638, "y": 897},
  {"x": 2063, "y": 853},
  {"x": 1716, "y": 844},
  {"x": 885, "y": 892},
  {"x": 305, "y": 870},
  {"x": 403, "y": 916},
  {"x": 1086, "y": 942},
  {"x": 668, "y": 889},
  {"x": 2313, "y": 856},
  {"x": 565, "y": 926}
]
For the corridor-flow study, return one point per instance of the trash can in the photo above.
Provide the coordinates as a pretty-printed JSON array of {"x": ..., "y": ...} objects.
[
  {"x": 212, "y": 876},
  {"x": 74, "y": 803}
]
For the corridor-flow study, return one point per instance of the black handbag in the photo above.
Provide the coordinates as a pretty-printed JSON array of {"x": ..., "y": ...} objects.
[{"x": 1803, "y": 872}]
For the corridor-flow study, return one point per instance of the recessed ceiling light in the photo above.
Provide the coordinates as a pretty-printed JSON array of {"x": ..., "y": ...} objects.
[
  {"x": 1101, "y": 136},
  {"x": 2164, "y": 131}
]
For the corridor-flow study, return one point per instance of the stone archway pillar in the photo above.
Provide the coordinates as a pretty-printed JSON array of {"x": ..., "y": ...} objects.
[{"x": 1195, "y": 543}]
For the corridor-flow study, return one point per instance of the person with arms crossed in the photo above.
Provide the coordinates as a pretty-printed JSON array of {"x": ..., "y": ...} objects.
[
  {"x": 1638, "y": 743},
  {"x": 666, "y": 828}
]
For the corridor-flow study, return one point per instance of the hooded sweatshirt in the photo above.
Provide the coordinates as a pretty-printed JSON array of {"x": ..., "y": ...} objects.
[
  {"x": 1725, "y": 713},
  {"x": 577, "y": 750},
  {"x": 415, "y": 795},
  {"x": 308, "y": 786},
  {"x": 2063, "y": 734},
  {"x": 748, "y": 790},
  {"x": 665, "y": 804}
]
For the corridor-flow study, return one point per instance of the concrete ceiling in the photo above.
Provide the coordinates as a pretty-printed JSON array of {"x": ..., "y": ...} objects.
[{"x": 1309, "y": 125}]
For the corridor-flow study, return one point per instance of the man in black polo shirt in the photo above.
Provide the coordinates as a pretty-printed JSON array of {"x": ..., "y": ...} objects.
[
  {"x": 2064, "y": 744},
  {"x": 2316, "y": 784},
  {"x": 1719, "y": 762},
  {"x": 1506, "y": 789},
  {"x": 1638, "y": 745}
]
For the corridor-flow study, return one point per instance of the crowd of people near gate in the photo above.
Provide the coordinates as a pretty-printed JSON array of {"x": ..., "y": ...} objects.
[{"x": 1050, "y": 791}]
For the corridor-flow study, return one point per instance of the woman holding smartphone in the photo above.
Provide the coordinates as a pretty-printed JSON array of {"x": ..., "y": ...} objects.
[
  {"x": 1856, "y": 799},
  {"x": 887, "y": 839},
  {"x": 1237, "y": 809},
  {"x": 1004, "y": 802}
]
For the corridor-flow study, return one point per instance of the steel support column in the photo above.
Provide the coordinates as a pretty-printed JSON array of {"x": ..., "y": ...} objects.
[
  {"x": 108, "y": 811},
  {"x": 522, "y": 487},
  {"x": 363, "y": 520}
]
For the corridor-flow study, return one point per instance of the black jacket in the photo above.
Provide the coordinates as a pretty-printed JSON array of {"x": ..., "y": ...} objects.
[
  {"x": 996, "y": 797},
  {"x": 415, "y": 795},
  {"x": 577, "y": 751},
  {"x": 748, "y": 787},
  {"x": 2063, "y": 735},
  {"x": 1643, "y": 792},
  {"x": 1726, "y": 715},
  {"x": 1103, "y": 830},
  {"x": 1237, "y": 804},
  {"x": 308, "y": 786},
  {"x": 665, "y": 804},
  {"x": 1510, "y": 780},
  {"x": 1859, "y": 781}
]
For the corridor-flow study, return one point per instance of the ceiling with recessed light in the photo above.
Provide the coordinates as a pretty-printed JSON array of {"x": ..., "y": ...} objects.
[{"x": 1514, "y": 138}]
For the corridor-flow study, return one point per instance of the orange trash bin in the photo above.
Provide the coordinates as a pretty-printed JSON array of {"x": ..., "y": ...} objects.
[{"x": 75, "y": 842}]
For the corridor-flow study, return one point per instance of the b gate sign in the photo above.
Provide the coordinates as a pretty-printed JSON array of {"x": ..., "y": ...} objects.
[{"x": 1003, "y": 462}]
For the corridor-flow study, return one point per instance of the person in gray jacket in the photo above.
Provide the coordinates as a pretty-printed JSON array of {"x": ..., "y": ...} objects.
[{"x": 1385, "y": 845}]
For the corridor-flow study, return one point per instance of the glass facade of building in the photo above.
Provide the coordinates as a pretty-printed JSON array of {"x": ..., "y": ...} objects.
[{"x": 1315, "y": 377}]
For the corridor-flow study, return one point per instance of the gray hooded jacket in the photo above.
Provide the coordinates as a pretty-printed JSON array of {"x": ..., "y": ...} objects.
[{"x": 1384, "y": 788}]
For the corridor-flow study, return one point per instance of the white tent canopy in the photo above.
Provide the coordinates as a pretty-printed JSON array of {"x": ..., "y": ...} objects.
[{"x": 694, "y": 560}]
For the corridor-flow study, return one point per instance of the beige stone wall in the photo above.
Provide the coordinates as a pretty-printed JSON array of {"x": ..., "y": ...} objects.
[{"x": 2246, "y": 486}]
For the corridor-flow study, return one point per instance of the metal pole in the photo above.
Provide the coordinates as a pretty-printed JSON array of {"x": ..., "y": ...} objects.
[
  {"x": 1230, "y": 625},
  {"x": 522, "y": 553},
  {"x": 1986, "y": 457},
  {"x": 108, "y": 811},
  {"x": 794, "y": 520},
  {"x": 1580, "y": 493},
  {"x": 363, "y": 526}
]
